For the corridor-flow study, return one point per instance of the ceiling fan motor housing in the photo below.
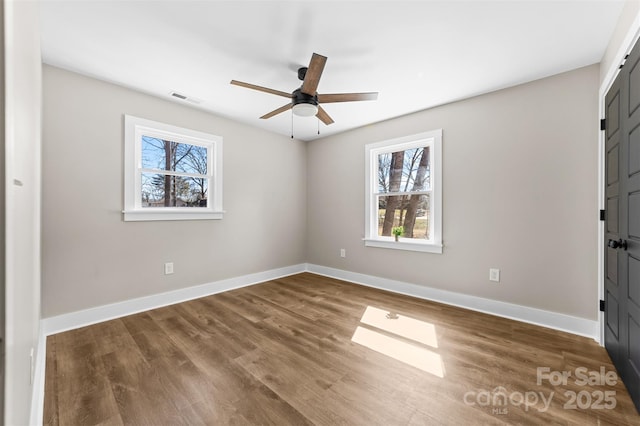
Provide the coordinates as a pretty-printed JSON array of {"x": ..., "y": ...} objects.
[{"x": 297, "y": 97}]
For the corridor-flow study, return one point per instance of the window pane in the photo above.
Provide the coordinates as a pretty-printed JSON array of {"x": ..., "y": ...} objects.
[
  {"x": 160, "y": 190},
  {"x": 409, "y": 211},
  {"x": 162, "y": 154},
  {"x": 193, "y": 160},
  {"x": 153, "y": 153},
  {"x": 384, "y": 164},
  {"x": 404, "y": 171}
]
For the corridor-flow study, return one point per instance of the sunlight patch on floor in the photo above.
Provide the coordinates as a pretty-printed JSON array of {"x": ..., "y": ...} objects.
[
  {"x": 410, "y": 328},
  {"x": 391, "y": 323}
]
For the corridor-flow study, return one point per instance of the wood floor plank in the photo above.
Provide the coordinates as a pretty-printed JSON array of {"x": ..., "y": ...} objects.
[
  {"x": 243, "y": 304},
  {"x": 138, "y": 391},
  {"x": 111, "y": 336},
  {"x": 290, "y": 367},
  {"x": 82, "y": 387},
  {"x": 205, "y": 413},
  {"x": 307, "y": 349},
  {"x": 221, "y": 341}
]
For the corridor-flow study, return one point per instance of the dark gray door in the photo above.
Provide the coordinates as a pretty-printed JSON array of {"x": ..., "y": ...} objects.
[{"x": 622, "y": 224}]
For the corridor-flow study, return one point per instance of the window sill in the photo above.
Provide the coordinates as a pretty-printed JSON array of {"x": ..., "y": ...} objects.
[
  {"x": 404, "y": 245},
  {"x": 161, "y": 214}
]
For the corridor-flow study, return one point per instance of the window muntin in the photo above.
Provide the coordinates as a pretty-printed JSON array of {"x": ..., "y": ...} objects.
[
  {"x": 404, "y": 190},
  {"x": 171, "y": 173}
]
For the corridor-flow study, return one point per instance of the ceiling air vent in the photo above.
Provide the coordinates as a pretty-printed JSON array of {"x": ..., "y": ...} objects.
[
  {"x": 185, "y": 98},
  {"x": 178, "y": 95}
]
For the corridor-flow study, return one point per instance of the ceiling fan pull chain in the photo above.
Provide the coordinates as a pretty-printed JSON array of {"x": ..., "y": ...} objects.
[
  {"x": 291, "y": 124},
  {"x": 318, "y": 126}
]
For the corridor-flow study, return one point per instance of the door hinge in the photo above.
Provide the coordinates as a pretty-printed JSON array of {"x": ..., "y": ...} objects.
[
  {"x": 603, "y": 215},
  {"x": 602, "y": 306},
  {"x": 624, "y": 61},
  {"x": 603, "y": 124}
]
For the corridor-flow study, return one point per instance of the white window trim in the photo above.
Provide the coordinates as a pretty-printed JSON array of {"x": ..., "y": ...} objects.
[
  {"x": 371, "y": 239},
  {"x": 134, "y": 128}
]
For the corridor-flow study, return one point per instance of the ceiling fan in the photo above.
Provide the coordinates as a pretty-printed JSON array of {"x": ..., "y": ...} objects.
[{"x": 305, "y": 101}]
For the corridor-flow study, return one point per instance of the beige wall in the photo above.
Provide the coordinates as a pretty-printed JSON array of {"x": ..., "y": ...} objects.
[
  {"x": 90, "y": 257},
  {"x": 22, "y": 144},
  {"x": 520, "y": 194}
]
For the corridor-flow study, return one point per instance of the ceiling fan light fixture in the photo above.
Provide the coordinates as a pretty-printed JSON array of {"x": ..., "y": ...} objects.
[{"x": 305, "y": 109}]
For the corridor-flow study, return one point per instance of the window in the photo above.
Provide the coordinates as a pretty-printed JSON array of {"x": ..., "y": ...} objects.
[
  {"x": 404, "y": 193},
  {"x": 171, "y": 173}
]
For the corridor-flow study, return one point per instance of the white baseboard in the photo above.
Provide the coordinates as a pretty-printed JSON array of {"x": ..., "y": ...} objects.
[
  {"x": 554, "y": 320},
  {"x": 70, "y": 321},
  {"x": 558, "y": 321}
]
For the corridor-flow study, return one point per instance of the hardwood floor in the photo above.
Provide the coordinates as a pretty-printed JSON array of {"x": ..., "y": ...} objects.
[{"x": 298, "y": 351}]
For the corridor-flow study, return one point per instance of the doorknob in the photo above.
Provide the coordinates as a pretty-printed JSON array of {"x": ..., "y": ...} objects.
[{"x": 618, "y": 244}]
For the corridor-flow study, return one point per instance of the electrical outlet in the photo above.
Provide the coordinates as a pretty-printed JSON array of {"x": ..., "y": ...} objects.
[
  {"x": 168, "y": 268},
  {"x": 343, "y": 253},
  {"x": 494, "y": 275}
]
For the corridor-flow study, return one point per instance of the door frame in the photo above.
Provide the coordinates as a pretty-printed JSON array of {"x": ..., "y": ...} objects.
[{"x": 632, "y": 37}]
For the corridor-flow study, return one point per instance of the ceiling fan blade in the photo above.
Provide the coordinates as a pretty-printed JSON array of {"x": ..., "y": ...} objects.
[
  {"x": 260, "y": 88},
  {"x": 347, "y": 97},
  {"x": 277, "y": 111},
  {"x": 314, "y": 72},
  {"x": 323, "y": 116}
]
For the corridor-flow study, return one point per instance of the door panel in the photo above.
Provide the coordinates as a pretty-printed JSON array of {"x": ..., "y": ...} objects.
[
  {"x": 612, "y": 265},
  {"x": 622, "y": 192},
  {"x": 634, "y": 151},
  {"x": 613, "y": 115},
  {"x": 634, "y": 275},
  {"x": 634, "y": 84},
  {"x": 612, "y": 165},
  {"x": 634, "y": 345},
  {"x": 613, "y": 319},
  {"x": 612, "y": 211},
  {"x": 634, "y": 210}
]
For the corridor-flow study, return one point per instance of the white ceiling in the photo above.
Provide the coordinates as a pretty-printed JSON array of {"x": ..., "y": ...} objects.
[{"x": 416, "y": 54}]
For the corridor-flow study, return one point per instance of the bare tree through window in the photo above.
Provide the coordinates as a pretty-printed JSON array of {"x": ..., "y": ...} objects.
[
  {"x": 403, "y": 192},
  {"x": 175, "y": 174}
]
